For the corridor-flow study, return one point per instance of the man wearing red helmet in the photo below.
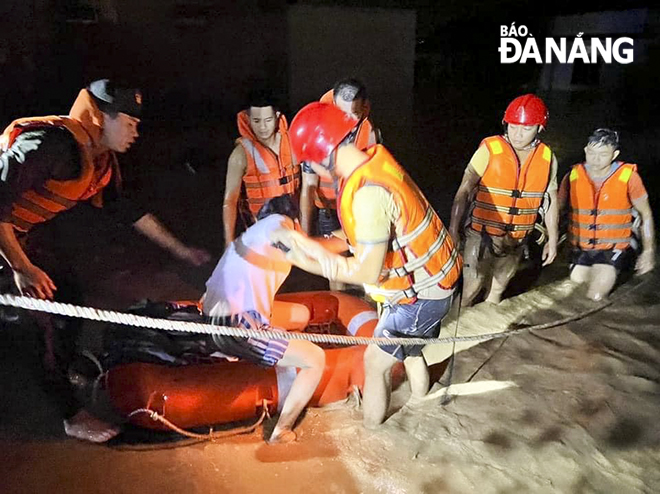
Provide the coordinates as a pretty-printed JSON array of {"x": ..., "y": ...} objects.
[
  {"x": 505, "y": 185},
  {"x": 403, "y": 254}
]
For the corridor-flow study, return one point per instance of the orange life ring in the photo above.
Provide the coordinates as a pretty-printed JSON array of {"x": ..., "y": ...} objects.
[{"x": 207, "y": 394}]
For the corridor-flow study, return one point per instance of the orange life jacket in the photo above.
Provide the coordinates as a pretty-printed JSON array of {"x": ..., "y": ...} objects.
[
  {"x": 54, "y": 196},
  {"x": 268, "y": 175},
  {"x": 600, "y": 219},
  {"x": 424, "y": 243},
  {"x": 509, "y": 194},
  {"x": 326, "y": 193}
]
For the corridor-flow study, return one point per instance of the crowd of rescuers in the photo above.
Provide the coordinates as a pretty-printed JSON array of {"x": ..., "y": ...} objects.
[{"x": 400, "y": 250}]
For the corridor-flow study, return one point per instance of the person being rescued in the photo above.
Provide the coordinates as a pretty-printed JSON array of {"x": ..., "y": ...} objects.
[
  {"x": 602, "y": 195},
  {"x": 260, "y": 167},
  {"x": 505, "y": 184},
  {"x": 403, "y": 254},
  {"x": 318, "y": 197},
  {"x": 241, "y": 292}
]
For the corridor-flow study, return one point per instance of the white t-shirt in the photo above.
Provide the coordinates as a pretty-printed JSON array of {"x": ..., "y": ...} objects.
[{"x": 249, "y": 273}]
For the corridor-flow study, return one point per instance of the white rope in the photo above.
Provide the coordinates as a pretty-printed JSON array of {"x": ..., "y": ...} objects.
[{"x": 195, "y": 327}]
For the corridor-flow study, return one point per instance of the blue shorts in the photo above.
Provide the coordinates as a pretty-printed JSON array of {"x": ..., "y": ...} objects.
[
  {"x": 262, "y": 352},
  {"x": 619, "y": 259},
  {"x": 419, "y": 320}
]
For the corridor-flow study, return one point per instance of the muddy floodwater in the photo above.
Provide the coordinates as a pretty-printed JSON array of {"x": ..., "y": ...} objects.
[{"x": 571, "y": 409}]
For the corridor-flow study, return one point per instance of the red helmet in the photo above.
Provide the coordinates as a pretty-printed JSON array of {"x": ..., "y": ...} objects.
[
  {"x": 528, "y": 109},
  {"x": 317, "y": 130}
]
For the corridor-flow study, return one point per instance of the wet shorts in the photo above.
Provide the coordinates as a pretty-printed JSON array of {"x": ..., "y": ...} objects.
[
  {"x": 328, "y": 221},
  {"x": 419, "y": 320},
  {"x": 262, "y": 352},
  {"x": 620, "y": 259}
]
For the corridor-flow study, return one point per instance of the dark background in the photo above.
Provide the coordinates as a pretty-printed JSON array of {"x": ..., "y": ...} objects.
[{"x": 197, "y": 60}]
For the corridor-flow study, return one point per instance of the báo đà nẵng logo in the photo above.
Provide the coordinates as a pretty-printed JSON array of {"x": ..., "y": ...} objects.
[{"x": 517, "y": 45}]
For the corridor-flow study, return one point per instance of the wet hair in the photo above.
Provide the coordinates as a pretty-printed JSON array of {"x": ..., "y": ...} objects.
[
  {"x": 283, "y": 205},
  {"x": 604, "y": 137},
  {"x": 350, "y": 90},
  {"x": 260, "y": 98}
]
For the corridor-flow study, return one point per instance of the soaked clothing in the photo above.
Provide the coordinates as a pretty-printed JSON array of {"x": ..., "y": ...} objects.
[
  {"x": 242, "y": 288},
  {"x": 262, "y": 352},
  {"x": 420, "y": 319},
  {"x": 249, "y": 273},
  {"x": 619, "y": 259},
  {"x": 486, "y": 257}
]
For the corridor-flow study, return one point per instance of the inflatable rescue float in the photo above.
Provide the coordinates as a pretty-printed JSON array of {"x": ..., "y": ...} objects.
[{"x": 225, "y": 391}]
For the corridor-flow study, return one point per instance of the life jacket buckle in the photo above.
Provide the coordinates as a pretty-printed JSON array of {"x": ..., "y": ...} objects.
[
  {"x": 516, "y": 194},
  {"x": 514, "y": 211}
]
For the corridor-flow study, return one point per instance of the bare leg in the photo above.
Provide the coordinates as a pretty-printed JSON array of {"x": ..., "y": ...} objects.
[
  {"x": 475, "y": 270},
  {"x": 581, "y": 274},
  {"x": 418, "y": 376},
  {"x": 603, "y": 278},
  {"x": 504, "y": 268},
  {"x": 310, "y": 359},
  {"x": 290, "y": 316},
  {"x": 377, "y": 385}
]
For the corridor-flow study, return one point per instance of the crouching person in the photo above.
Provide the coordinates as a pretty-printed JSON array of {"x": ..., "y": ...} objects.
[
  {"x": 241, "y": 292},
  {"x": 602, "y": 194}
]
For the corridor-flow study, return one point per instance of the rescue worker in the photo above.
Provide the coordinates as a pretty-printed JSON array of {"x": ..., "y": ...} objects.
[
  {"x": 260, "y": 167},
  {"x": 602, "y": 193},
  {"x": 403, "y": 254},
  {"x": 504, "y": 186},
  {"x": 49, "y": 165},
  {"x": 350, "y": 96},
  {"x": 241, "y": 293}
]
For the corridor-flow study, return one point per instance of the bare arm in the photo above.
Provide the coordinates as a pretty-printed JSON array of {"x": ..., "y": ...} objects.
[
  {"x": 552, "y": 225},
  {"x": 236, "y": 167},
  {"x": 646, "y": 260},
  {"x": 29, "y": 279},
  {"x": 310, "y": 182},
  {"x": 150, "y": 227},
  {"x": 469, "y": 182},
  {"x": 364, "y": 267}
]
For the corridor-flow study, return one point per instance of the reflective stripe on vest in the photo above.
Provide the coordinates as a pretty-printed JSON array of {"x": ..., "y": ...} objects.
[
  {"x": 510, "y": 194},
  {"x": 55, "y": 196},
  {"x": 600, "y": 218},
  {"x": 425, "y": 243},
  {"x": 268, "y": 174}
]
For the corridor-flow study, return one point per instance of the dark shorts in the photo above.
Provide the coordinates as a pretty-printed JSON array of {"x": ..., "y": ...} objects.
[
  {"x": 419, "y": 320},
  {"x": 262, "y": 352},
  {"x": 620, "y": 259},
  {"x": 328, "y": 221}
]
